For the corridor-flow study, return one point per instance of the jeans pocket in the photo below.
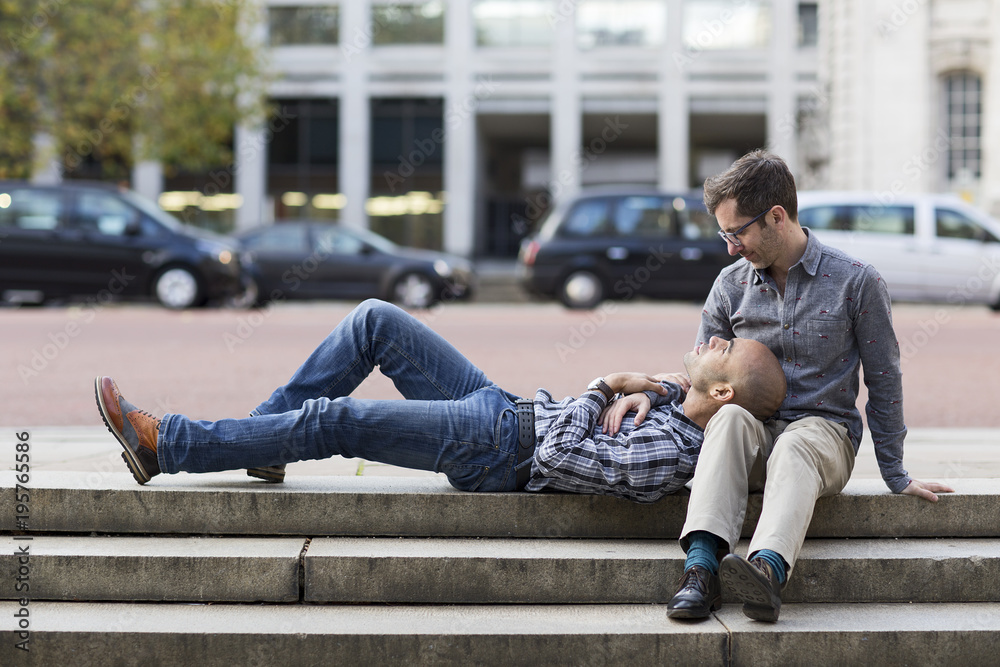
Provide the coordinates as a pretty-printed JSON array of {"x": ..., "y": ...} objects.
[{"x": 466, "y": 477}]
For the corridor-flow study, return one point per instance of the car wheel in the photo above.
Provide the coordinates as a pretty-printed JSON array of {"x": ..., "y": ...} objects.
[
  {"x": 581, "y": 289},
  {"x": 177, "y": 287},
  {"x": 414, "y": 290}
]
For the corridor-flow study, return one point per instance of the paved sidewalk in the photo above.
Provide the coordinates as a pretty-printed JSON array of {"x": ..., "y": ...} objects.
[{"x": 937, "y": 454}]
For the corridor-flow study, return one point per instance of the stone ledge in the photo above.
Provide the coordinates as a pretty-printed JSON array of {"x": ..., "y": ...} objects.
[{"x": 229, "y": 505}]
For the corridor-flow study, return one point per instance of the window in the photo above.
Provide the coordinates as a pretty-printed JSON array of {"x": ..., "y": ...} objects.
[
  {"x": 336, "y": 242},
  {"x": 513, "y": 22},
  {"x": 954, "y": 225},
  {"x": 588, "y": 218},
  {"x": 876, "y": 219},
  {"x": 643, "y": 216},
  {"x": 620, "y": 23},
  {"x": 31, "y": 209},
  {"x": 408, "y": 24},
  {"x": 715, "y": 25},
  {"x": 808, "y": 24},
  {"x": 695, "y": 223},
  {"x": 963, "y": 115},
  {"x": 303, "y": 25},
  {"x": 280, "y": 239},
  {"x": 305, "y": 131},
  {"x": 407, "y": 133},
  {"x": 105, "y": 214}
]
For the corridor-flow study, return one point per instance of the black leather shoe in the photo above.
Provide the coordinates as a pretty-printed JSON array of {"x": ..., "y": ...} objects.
[
  {"x": 754, "y": 584},
  {"x": 697, "y": 596}
]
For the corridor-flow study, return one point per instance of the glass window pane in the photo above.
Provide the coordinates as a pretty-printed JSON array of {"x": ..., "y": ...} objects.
[
  {"x": 964, "y": 122},
  {"x": 620, "y": 23},
  {"x": 303, "y": 25},
  {"x": 31, "y": 209},
  {"x": 104, "y": 214},
  {"x": 808, "y": 23},
  {"x": 513, "y": 22},
  {"x": 715, "y": 25},
  {"x": 408, "y": 24},
  {"x": 695, "y": 222},
  {"x": 336, "y": 242},
  {"x": 643, "y": 216},
  {"x": 954, "y": 225},
  {"x": 588, "y": 218},
  {"x": 280, "y": 239},
  {"x": 881, "y": 219}
]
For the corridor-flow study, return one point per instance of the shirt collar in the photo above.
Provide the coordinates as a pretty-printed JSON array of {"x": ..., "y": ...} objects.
[{"x": 809, "y": 260}]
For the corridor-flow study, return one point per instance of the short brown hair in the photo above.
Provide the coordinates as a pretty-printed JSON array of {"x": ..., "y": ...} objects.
[{"x": 758, "y": 180}]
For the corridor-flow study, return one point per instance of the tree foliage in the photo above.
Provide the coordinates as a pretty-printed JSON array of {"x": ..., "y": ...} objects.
[{"x": 117, "y": 81}]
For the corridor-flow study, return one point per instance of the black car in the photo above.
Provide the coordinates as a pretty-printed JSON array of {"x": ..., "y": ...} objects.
[
  {"x": 317, "y": 260},
  {"x": 619, "y": 244},
  {"x": 102, "y": 243}
]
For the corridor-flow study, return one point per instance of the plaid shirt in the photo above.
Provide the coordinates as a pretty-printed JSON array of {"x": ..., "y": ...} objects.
[{"x": 640, "y": 463}]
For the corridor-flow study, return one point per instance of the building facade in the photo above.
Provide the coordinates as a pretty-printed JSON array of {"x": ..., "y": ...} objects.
[
  {"x": 908, "y": 85},
  {"x": 455, "y": 124}
]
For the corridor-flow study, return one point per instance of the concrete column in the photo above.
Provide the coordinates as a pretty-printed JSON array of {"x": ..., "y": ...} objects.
[
  {"x": 566, "y": 120},
  {"x": 673, "y": 107},
  {"x": 47, "y": 168},
  {"x": 782, "y": 105},
  {"x": 250, "y": 176},
  {"x": 147, "y": 179},
  {"x": 460, "y": 103},
  {"x": 355, "y": 111}
]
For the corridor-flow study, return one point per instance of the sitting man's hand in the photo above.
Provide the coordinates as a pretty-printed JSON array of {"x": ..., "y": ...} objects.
[
  {"x": 613, "y": 413},
  {"x": 926, "y": 489},
  {"x": 632, "y": 383},
  {"x": 680, "y": 379}
]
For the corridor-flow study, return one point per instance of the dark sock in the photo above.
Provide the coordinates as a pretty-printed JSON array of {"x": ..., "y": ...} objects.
[
  {"x": 702, "y": 546},
  {"x": 777, "y": 563}
]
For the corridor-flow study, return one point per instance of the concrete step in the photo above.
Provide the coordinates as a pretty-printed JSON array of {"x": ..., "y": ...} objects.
[
  {"x": 226, "y": 634},
  {"x": 357, "y": 506},
  {"x": 199, "y": 569},
  {"x": 481, "y": 571}
]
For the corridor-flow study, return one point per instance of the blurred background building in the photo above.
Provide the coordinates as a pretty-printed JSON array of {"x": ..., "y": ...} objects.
[{"x": 455, "y": 124}]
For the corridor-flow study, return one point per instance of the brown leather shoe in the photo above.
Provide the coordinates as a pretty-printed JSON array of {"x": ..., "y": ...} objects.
[
  {"x": 754, "y": 584},
  {"x": 135, "y": 429}
]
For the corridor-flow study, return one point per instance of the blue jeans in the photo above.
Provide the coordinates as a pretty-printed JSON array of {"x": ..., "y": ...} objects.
[{"x": 455, "y": 421}]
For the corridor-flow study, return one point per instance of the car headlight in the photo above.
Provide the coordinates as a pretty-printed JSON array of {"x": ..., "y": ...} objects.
[
  {"x": 442, "y": 268},
  {"x": 219, "y": 252}
]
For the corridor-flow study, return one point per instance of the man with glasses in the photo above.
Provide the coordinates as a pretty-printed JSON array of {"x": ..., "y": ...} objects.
[{"x": 824, "y": 315}]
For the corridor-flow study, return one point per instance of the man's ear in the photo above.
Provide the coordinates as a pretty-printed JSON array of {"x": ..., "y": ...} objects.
[{"x": 722, "y": 391}]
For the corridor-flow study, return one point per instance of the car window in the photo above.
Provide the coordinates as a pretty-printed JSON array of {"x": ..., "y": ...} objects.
[
  {"x": 280, "y": 238},
  {"x": 954, "y": 225},
  {"x": 858, "y": 218},
  {"x": 587, "y": 218},
  {"x": 696, "y": 224},
  {"x": 643, "y": 216},
  {"x": 336, "y": 242},
  {"x": 103, "y": 213},
  {"x": 31, "y": 209}
]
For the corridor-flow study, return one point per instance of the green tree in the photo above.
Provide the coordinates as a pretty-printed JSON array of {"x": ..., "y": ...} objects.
[{"x": 117, "y": 81}]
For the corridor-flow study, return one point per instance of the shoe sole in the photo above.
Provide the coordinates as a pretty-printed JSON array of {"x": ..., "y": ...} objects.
[
  {"x": 740, "y": 578},
  {"x": 128, "y": 455},
  {"x": 271, "y": 474}
]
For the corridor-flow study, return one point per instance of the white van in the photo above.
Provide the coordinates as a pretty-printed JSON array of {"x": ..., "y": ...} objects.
[{"x": 927, "y": 247}]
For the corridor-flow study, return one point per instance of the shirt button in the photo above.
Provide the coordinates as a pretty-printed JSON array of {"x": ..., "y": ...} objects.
[{"x": 787, "y": 325}]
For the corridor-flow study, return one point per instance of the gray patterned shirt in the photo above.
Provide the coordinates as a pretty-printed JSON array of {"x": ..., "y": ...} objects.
[{"x": 835, "y": 316}]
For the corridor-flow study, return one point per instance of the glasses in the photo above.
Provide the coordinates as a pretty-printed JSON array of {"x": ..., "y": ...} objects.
[{"x": 731, "y": 236}]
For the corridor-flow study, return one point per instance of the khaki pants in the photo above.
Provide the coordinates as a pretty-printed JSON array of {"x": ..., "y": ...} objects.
[{"x": 800, "y": 461}]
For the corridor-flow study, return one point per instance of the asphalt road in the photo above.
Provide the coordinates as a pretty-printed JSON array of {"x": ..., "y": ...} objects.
[{"x": 211, "y": 364}]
